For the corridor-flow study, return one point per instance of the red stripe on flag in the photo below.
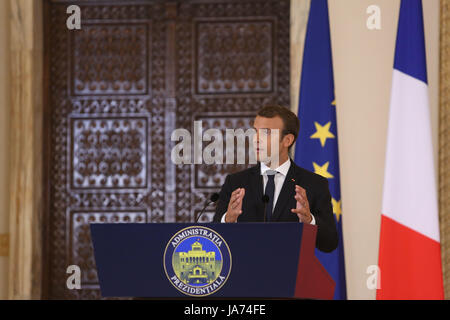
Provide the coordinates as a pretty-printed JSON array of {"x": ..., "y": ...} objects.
[
  {"x": 313, "y": 280},
  {"x": 410, "y": 263}
]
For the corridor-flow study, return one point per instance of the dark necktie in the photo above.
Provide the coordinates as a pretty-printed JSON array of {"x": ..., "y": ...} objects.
[{"x": 270, "y": 192}]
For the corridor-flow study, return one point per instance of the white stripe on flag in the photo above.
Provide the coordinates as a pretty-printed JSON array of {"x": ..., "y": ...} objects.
[{"x": 409, "y": 194}]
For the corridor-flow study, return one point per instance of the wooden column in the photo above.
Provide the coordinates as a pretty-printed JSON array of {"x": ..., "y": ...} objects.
[
  {"x": 26, "y": 149},
  {"x": 444, "y": 143}
]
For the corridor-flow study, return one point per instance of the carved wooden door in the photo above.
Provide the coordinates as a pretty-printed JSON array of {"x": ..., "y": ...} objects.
[{"x": 117, "y": 88}]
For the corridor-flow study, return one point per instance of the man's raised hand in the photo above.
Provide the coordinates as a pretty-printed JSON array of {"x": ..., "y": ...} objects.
[{"x": 235, "y": 205}]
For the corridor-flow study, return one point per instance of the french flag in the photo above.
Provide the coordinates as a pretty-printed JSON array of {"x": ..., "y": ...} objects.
[{"x": 410, "y": 252}]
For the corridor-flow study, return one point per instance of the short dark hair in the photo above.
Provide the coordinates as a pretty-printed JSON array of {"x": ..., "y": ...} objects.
[{"x": 290, "y": 121}]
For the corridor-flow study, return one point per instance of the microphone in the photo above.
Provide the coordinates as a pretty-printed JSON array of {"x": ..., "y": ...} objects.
[
  {"x": 214, "y": 197},
  {"x": 265, "y": 200}
]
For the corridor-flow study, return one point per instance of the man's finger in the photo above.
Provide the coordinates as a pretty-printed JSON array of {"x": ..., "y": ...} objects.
[
  {"x": 300, "y": 190},
  {"x": 300, "y": 211},
  {"x": 236, "y": 191},
  {"x": 297, "y": 192},
  {"x": 234, "y": 202},
  {"x": 301, "y": 193},
  {"x": 299, "y": 197},
  {"x": 240, "y": 199},
  {"x": 301, "y": 200},
  {"x": 236, "y": 198},
  {"x": 239, "y": 193},
  {"x": 242, "y": 194}
]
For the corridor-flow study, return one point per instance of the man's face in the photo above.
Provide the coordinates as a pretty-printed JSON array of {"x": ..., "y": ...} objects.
[{"x": 267, "y": 141}]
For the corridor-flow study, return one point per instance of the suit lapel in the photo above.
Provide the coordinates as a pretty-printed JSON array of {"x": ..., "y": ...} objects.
[{"x": 287, "y": 192}]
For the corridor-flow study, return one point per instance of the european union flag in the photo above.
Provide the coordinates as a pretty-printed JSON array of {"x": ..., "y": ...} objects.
[{"x": 317, "y": 146}]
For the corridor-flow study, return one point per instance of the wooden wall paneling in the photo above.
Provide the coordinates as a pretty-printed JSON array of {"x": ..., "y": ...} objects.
[
  {"x": 117, "y": 89},
  {"x": 107, "y": 89}
]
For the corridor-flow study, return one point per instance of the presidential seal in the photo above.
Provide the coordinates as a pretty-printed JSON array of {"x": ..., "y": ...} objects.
[{"x": 197, "y": 261}]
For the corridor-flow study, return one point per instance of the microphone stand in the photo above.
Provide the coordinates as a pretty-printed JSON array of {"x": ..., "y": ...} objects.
[
  {"x": 214, "y": 197},
  {"x": 204, "y": 208}
]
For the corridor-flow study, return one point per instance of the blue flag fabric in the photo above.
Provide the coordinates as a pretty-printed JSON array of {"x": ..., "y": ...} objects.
[
  {"x": 317, "y": 146},
  {"x": 410, "y": 52}
]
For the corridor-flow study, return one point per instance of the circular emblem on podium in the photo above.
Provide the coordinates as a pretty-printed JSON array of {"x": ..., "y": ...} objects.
[{"x": 197, "y": 261}]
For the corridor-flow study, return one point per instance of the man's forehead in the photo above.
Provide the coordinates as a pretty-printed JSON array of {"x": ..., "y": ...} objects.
[{"x": 273, "y": 123}]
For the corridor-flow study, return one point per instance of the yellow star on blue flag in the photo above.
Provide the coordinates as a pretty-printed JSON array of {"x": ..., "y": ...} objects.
[{"x": 322, "y": 133}]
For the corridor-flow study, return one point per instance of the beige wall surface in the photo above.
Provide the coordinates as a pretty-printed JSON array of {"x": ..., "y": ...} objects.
[
  {"x": 363, "y": 61},
  {"x": 4, "y": 144},
  {"x": 363, "y": 64}
]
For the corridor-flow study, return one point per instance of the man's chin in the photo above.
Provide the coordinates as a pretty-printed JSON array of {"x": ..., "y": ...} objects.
[
  {"x": 262, "y": 158},
  {"x": 267, "y": 160}
]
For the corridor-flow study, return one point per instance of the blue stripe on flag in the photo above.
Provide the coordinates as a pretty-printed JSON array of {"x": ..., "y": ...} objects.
[{"x": 410, "y": 55}]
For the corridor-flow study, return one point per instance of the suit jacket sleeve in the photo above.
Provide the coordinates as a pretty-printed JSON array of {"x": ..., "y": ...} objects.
[
  {"x": 224, "y": 199},
  {"x": 327, "y": 237}
]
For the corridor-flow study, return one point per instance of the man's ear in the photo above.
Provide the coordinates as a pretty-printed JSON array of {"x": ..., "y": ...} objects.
[{"x": 288, "y": 140}]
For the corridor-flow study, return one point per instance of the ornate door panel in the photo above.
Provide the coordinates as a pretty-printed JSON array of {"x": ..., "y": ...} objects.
[
  {"x": 233, "y": 57},
  {"x": 117, "y": 88}
]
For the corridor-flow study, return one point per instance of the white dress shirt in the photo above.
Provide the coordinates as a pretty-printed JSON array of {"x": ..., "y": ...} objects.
[{"x": 280, "y": 176}]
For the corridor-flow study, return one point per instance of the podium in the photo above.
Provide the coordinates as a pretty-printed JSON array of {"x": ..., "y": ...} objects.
[{"x": 214, "y": 260}]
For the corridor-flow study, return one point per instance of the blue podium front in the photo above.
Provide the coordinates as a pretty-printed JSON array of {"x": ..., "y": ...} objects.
[{"x": 169, "y": 260}]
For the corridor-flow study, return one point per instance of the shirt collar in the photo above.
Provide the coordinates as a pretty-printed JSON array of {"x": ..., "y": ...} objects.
[{"x": 283, "y": 169}]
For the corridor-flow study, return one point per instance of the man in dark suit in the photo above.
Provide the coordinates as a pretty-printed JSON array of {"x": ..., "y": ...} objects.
[{"x": 294, "y": 194}]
